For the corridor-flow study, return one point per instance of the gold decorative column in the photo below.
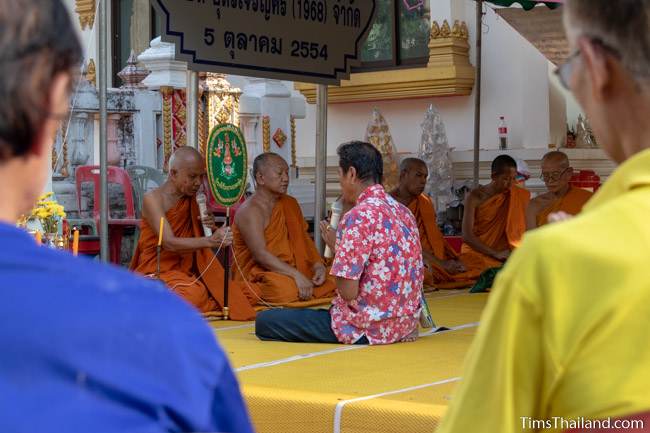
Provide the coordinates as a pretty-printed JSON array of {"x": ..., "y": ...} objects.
[
  {"x": 293, "y": 142},
  {"x": 55, "y": 159},
  {"x": 64, "y": 149},
  {"x": 222, "y": 100},
  {"x": 167, "y": 94},
  {"x": 179, "y": 118},
  {"x": 266, "y": 134},
  {"x": 86, "y": 11},
  {"x": 203, "y": 124},
  {"x": 91, "y": 72}
]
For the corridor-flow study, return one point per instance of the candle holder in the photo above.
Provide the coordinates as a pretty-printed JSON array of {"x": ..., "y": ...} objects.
[{"x": 59, "y": 242}]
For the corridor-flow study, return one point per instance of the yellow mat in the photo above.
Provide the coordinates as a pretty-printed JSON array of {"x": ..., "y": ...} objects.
[{"x": 404, "y": 387}]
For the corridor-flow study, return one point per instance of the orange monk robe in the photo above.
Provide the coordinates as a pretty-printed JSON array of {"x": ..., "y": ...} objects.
[
  {"x": 180, "y": 271},
  {"x": 432, "y": 240},
  {"x": 500, "y": 223},
  {"x": 286, "y": 237},
  {"x": 571, "y": 203}
]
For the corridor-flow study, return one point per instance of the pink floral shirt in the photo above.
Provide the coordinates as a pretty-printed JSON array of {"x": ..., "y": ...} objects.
[{"x": 379, "y": 245}]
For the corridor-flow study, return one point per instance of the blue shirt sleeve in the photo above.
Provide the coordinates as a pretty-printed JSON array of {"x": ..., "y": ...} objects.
[
  {"x": 228, "y": 408},
  {"x": 87, "y": 347}
]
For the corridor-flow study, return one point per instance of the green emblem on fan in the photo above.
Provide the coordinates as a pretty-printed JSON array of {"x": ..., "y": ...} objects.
[{"x": 227, "y": 164}]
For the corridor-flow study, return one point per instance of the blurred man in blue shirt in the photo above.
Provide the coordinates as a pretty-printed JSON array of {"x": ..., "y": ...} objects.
[{"x": 85, "y": 347}]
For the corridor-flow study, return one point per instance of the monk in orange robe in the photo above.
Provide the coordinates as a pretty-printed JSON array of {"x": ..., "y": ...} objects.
[
  {"x": 187, "y": 263},
  {"x": 494, "y": 219},
  {"x": 445, "y": 269},
  {"x": 561, "y": 196},
  {"x": 271, "y": 244}
]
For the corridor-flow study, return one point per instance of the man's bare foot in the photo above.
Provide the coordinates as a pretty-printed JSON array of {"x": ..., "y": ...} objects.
[{"x": 411, "y": 337}]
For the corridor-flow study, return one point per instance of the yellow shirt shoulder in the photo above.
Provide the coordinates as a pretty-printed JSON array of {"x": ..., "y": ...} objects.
[{"x": 565, "y": 333}]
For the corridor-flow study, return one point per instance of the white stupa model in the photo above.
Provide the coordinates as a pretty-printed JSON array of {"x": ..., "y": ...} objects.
[{"x": 436, "y": 153}]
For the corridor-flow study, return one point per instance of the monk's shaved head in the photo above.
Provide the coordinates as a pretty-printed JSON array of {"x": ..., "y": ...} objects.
[
  {"x": 556, "y": 172},
  {"x": 408, "y": 164},
  {"x": 271, "y": 173},
  {"x": 184, "y": 157},
  {"x": 412, "y": 178},
  {"x": 502, "y": 164},
  {"x": 557, "y": 158},
  {"x": 504, "y": 172},
  {"x": 263, "y": 160},
  {"x": 186, "y": 170}
]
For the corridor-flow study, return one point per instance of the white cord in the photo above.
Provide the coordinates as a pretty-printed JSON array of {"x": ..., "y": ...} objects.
[
  {"x": 259, "y": 298},
  {"x": 241, "y": 273},
  {"x": 204, "y": 270},
  {"x": 238, "y": 268}
]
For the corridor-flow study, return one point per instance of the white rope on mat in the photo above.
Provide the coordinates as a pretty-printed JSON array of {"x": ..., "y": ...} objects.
[
  {"x": 452, "y": 295},
  {"x": 299, "y": 357},
  {"x": 341, "y": 349},
  {"x": 338, "y": 411},
  {"x": 453, "y": 328}
]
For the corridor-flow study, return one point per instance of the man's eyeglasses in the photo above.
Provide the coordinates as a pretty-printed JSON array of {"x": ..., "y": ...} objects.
[
  {"x": 553, "y": 176},
  {"x": 565, "y": 70}
]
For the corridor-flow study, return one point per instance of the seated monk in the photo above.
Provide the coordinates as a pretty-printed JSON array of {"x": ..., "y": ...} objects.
[
  {"x": 444, "y": 268},
  {"x": 186, "y": 261},
  {"x": 561, "y": 196},
  {"x": 270, "y": 240},
  {"x": 495, "y": 216}
]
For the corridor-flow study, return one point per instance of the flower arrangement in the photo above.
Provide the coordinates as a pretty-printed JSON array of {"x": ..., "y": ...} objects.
[{"x": 48, "y": 212}]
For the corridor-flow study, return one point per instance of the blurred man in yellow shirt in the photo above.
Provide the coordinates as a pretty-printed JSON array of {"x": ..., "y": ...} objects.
[{"x": 566, "y": 333}]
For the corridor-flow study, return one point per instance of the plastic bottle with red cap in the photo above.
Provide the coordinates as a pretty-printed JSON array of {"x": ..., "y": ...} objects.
[{"x": 503, "y": 133}]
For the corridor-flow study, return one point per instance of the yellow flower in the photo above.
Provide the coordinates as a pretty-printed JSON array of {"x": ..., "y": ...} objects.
[{"x": 48, "y": 211}]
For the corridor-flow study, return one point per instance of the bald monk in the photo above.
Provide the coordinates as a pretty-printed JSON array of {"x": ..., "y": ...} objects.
[
  {"x": 186, "y": 262},
  {"x": 445, "y": 269},
  {"x": 561, "y": 196},
  {"x": 271, "y": 243},
  {"x": 495, "y": 216}
]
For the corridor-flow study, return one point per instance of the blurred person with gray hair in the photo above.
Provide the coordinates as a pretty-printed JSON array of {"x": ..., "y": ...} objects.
[
  {"x": 85, "y": 347},
  {"x": 563, "y": 343}
]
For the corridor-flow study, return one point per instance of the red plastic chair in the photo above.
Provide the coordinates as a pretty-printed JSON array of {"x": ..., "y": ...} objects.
[
  {"x": 586, "y": 179},
  {"x": 116, "y": 175}
]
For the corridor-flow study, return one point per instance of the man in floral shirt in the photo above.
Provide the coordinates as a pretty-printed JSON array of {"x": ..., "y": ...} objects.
[{"x": 378, "y": 265}]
